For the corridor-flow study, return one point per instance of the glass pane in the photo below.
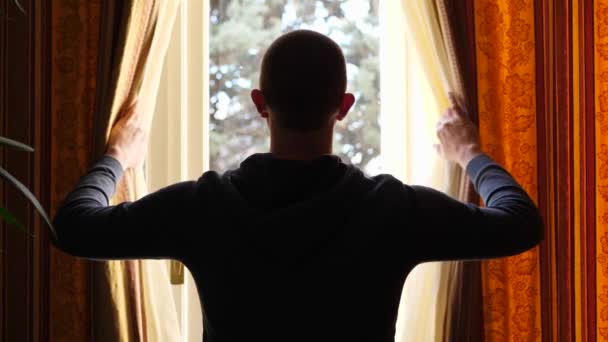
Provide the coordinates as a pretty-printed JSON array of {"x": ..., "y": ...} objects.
[{"x": 240, "y": 32}]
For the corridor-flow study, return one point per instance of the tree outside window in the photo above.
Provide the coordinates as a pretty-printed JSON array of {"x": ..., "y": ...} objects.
[{"x": 240, "y": 32}]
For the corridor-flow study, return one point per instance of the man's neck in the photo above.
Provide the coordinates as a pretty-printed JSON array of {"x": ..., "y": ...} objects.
[{"x": 301, "y": 146}]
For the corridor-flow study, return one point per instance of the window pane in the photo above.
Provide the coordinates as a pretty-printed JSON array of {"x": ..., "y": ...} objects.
[{"x": 240, "y": 32}]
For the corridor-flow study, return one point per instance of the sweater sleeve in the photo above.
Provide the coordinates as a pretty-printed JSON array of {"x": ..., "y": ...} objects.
[
  {"x": 447, "y": 229},
  {"x": 151, "y": 227}
]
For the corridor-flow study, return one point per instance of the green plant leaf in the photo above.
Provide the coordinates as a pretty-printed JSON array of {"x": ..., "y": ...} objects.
[
  {"x": 15, "y": 144},
  {"x": 28, "y": 194},
  {"x": 9, "y": 218}
]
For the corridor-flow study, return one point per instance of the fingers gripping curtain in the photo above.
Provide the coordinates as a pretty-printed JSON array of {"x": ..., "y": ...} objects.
[
  {"x": 431, "y": 288},
  {"x": 131, "y": 295}
]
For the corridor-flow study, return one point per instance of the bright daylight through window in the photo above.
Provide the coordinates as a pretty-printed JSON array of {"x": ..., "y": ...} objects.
[{"x": 240, "y": 33}]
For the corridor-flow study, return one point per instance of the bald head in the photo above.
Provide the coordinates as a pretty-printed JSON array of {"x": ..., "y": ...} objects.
[{"x": 303, "y": 79}]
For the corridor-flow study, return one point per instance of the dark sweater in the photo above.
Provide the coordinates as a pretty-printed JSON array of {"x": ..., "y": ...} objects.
[{"x": 298, "y": 251}]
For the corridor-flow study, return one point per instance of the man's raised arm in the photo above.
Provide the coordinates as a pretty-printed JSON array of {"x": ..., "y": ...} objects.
[
  {"x": 448, "y": 229},
  {"x": 152, "y": 227}
]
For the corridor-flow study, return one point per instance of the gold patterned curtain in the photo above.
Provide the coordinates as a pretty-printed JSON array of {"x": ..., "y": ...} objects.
[{"x": 136, "y": 298}]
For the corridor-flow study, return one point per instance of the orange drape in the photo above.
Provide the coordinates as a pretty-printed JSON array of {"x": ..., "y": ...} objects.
[
  {"x": 504, "y": 33},
  {"x": 543, "y": 99},
  {"x": 74, "y": 50},
  {"x": 601, "y": 165}
]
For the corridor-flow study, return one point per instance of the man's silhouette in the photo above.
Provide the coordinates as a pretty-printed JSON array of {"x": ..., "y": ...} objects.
[{"x": 296, "y": 245}]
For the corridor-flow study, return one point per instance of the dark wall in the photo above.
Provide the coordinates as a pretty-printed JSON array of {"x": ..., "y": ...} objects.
[{"x": 24, "y": 116}]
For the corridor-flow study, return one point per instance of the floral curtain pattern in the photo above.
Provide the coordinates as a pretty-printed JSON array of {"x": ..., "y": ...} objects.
[
  {"x": 601, "y": 162},
  {"x": 507, "y": 122}
]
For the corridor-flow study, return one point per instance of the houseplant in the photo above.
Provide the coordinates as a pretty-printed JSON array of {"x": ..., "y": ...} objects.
[{"x": 5, "y": 175}]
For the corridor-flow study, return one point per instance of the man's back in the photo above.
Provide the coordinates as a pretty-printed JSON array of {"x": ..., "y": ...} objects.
[
  {"x": 299, "y": 250},
  {"x": 304, "y": 255}
]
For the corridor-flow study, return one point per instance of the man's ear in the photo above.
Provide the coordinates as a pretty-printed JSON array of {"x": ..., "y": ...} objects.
[
  {"x": 347, "y": 102},
  {"x": 260, "y": 103}
]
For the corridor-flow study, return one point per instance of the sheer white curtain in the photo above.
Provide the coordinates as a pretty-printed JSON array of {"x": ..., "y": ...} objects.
[
  {"x": 417, "y": 72},
  {"x": 179, "y": 138},
  {"x": 161, "y": 314}
]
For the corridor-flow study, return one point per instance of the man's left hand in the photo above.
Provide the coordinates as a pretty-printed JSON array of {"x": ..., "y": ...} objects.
[{"x": 128, "y": 142}]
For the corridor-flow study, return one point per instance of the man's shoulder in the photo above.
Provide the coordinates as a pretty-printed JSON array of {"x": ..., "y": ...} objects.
[
  {"x": 382, "y": 179},
  {"x": 383, "y": 185}
]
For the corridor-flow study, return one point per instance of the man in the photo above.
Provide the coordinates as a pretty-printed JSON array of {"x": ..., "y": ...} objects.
[{"x": 295, "y": 245}]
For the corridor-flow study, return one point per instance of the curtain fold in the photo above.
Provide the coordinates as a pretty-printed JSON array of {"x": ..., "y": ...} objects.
[
  {"x": 134, "y": 41},
  {"x": 432, "y": 289}
]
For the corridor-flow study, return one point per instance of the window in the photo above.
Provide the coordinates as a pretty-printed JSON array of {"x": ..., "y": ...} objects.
[
  {"x": 240, "y": 33},
  {"x": 205, "y": 120}
]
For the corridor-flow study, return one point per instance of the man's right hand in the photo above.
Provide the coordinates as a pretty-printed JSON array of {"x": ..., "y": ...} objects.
[{"x": 458, "y": 136}]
